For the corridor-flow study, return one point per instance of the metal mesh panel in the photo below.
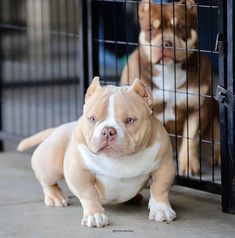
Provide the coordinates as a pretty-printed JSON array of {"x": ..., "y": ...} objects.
[
  {"x": 118, "y": 36},
  {"x": 39, "y": 64}
]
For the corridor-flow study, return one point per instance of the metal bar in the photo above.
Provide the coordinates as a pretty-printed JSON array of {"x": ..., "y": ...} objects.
[
  {"x": 138, "y": 42},
  {"x": 93, "y": 47},
  {"x": 163, "y": 69},
  {"x": 51, "y": 63},
  {"x": 83, "y": 44},
  {"x": 212, "y": 86},
  {"x": 126, "y": 49},
  {"x": 59, "y": 25},
  {"x": 199, "y": 92},
  {"x": 187, "y": 87},
  {"x": 175, "y": 96},
  {"x": 228, "y": 162},
  {"x": 76, "y": 55},
  {"x": 1, "y": 98},
  {"x": 165, "y": 3},
  {"x": 11, "y": 136},
  {"x": 66, "y": 19},
  {"x": 39, "y": 83},
  {"x": 129, "y": 43},
  {"x": 198, "y": 184},
  {"x": 114, "y": 12}
]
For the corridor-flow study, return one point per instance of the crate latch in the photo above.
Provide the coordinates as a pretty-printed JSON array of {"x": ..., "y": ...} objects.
[{"x": 225, "y": 97}]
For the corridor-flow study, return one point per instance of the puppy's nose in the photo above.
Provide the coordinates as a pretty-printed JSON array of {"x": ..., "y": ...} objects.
[
  {"x": 167, "y": 43},
  {"x": 109, "y": 133}
]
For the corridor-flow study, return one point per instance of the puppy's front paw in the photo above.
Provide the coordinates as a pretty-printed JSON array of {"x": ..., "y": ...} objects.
[
  {"x": 160, "y": 211},
  {"x": 192, "y": 167},
  {"x": 95, "y": 220}
]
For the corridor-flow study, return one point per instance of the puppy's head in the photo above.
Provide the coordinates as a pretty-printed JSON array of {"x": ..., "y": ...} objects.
[
  {"x": 168, "y": 30},
  {"x": 117, "y": 120}
]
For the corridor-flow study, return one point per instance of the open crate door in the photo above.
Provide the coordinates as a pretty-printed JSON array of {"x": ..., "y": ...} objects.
[{"x": 225, "y": 95}]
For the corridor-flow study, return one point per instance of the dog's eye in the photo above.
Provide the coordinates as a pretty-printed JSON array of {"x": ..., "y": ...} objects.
[
  {"x": 92, "y": 119},
  {"x": 130, "y": 120}
]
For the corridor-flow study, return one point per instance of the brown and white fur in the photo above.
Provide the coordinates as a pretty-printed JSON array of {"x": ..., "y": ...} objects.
[
  {"x": 108, "y": 155},
  {"x": 164, "y": 37}
]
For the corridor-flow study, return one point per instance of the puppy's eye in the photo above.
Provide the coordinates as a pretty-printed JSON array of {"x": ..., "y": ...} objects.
[
  {"x": 92, "y": 119},
  {"x": 130, "y": 120}
]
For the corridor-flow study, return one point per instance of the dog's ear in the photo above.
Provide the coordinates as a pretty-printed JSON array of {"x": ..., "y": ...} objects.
[
  {"x": 144, "y": 7},
  {"x": 143, "y": 91},
  {"x": 95, "y": 85}
]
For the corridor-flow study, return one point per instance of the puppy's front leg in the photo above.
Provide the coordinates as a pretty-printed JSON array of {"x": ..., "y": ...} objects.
[
  {"x": 82, "y": 183},
  {"x": 162, "y": 178},
  {"x": 188, "y": 156}
]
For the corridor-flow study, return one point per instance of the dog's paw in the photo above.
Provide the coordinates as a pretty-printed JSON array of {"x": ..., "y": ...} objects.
[
  {"x": 191, "y": 167},
  {"x": 160, "y": 211},
  {"x": 216, "y": 161},
  {"x": 56, "y": 198},
  {"x": 95, "y": 220}
]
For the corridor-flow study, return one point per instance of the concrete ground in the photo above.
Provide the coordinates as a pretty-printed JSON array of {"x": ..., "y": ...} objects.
[{"x": 23, "y": 213}]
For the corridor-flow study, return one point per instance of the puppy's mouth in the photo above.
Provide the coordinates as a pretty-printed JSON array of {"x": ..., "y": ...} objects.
[{"x": 166, "y": 60}]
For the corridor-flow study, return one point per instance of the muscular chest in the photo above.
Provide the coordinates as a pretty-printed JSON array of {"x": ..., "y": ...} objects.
[
  {"x": 118, "y": 190},
  {"x": 120, "y": 179}
]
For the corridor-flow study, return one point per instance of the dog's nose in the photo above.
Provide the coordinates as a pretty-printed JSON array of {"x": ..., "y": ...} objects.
[
  {"x": 109, "y": 133},
  {"x": 167, "y": 43}
]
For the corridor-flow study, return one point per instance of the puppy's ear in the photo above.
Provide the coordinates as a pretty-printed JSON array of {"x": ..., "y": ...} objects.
[
  {"x": 95, "y": 85},
  {"x": 144, "y": 7},
  {"x": 143, "y": 91}
]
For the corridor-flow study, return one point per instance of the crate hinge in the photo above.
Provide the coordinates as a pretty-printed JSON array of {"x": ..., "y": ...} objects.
[
  {"x": 225, "y": 97},
  {"x": 219, "y": 44}
]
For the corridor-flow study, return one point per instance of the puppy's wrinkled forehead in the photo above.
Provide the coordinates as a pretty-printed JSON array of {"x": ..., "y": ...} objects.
[
  {"x": 97, "y": 104},
  {"x": 117, "y": 101}
]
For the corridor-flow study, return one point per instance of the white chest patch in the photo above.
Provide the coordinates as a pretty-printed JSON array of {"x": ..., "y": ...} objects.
[
  {"x": 122, "y": 177},
  {"x": 170, "y": 76},
  {"x": 169, "y": 81}
]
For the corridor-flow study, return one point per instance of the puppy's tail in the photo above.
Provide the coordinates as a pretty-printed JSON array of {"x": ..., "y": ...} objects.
[{"x": 34, "y": 140}]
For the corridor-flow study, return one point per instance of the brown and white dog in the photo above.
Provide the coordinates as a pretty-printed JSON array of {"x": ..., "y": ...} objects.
[
  {"x": 163, "y": 63},
  {"x": 108, "y": 155}
]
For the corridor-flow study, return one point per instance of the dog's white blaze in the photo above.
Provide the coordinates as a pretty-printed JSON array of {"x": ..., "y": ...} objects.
[
  {"x": 168, "y": 78},
  {"x": 169, "y": 81},
  {"x": 118, "y": 175},
  {"x": 110, "y": 121},
  {"x": 173, "y": 81}
]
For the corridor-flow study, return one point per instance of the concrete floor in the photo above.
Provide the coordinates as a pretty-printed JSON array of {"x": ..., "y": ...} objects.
[{"x": 23, "y": 213}]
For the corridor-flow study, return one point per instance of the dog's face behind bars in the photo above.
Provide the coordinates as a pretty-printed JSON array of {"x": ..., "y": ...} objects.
[{"x": 168, "y": 30}]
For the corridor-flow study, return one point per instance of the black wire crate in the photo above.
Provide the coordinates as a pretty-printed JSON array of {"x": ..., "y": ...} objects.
[
  {"x": 176, "y": 48},
  {"x": 141, "y": 32},
  {"x": 182, "y": 50}
]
